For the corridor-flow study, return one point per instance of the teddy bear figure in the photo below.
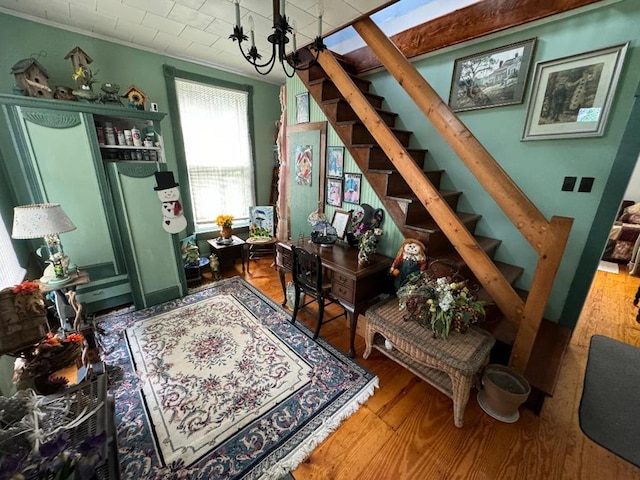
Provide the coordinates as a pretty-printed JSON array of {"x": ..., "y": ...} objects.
[{"x": 411, "y": 257}]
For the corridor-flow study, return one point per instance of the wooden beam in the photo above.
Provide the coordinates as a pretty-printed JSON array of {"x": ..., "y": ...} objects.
[
  {"x": 474, "y": 256},
  {"x": 541, "y": 286},
  {"x": 524, "y": 215},
  {"x": 474, "y": 21}
]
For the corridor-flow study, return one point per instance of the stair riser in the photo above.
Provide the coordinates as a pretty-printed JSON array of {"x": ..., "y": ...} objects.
[
  {"x": 328, "y": 91},
  {"x": 316, "y": 72},
  {"x": 397, "y": 186},
  {"x": 358, "y": 134},
  {"x": 438, "y": 244},
  {"x": 378, "y": 160},
  {"x": 417, "y": 212},
  {"x": 342, "y": 112}
]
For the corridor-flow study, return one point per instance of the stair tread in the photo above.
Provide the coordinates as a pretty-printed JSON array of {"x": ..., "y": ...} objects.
[
  {"x": 429, "y": 225},
  {"x": 375, "y": 145},
  {"x": 357, "y": 122},
  {"x": 411, "y": 197},
  {"x": 320, "y": 81}
]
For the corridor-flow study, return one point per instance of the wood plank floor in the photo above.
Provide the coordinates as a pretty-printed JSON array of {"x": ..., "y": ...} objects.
[{"x": 405, "y": 430}]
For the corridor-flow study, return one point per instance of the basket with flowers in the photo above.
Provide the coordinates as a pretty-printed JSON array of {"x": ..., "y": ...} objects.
[
  {"x": 441, "y": 304},
  {"x": 23, "y": 316}
]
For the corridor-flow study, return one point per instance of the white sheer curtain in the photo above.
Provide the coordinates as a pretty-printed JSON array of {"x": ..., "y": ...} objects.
[
  {"x": 217, "y": 144},
  {"x": 11, "y": 273}
]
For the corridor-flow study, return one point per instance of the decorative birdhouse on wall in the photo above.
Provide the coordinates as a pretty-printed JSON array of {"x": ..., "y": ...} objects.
[
  {"x": 80, "y": 61},
  {"x": 135, "y": 97},
  {"x": 31, "y": 77}
]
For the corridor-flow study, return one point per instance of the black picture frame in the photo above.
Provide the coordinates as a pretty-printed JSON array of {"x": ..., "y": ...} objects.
[
  {"x": 493, "y": 78},
  {"x": 334, "y": 192},
  {"x": 352, "y": 186}
]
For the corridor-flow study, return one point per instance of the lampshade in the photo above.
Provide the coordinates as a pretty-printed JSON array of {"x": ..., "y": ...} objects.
[{"x": 40, "y": 220}]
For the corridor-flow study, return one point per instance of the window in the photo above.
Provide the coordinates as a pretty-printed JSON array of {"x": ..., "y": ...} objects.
[
  {"x": 217, "y": 144},
  {"x": 11, "y": 273}
]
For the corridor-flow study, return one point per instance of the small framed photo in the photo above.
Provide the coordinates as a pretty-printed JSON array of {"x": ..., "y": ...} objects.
[
  {"x": 352, "y": 184},
  {"x": 334, "y": 192},
  {"x": 341, "y": 222},
  {"x": 335, "y": 161},
  {"x": 571, "y": 96},
  {"x": 493, "y": 78},
  {"x": 302, "y": 107}
]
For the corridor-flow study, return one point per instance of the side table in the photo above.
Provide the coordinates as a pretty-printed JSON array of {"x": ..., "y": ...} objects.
[
  {"x": 228, "y": 251},
  {"x": 66, "y": 306},
  {"x": 449, "y": 364}
]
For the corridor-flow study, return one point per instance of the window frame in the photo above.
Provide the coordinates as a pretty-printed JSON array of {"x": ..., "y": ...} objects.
[{"x": 171, "y": 74}]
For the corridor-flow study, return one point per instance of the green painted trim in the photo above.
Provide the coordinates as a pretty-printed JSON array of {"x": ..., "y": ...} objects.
[
  {"x": 136, "y": 169},
  {"x": 170, "y": 74},
  {"x": 51, "y": 119},
  {"x": 621, "y": 171},
  {"x": 24, "y": 157},
  {"x": 95, "y": 284},
  {"x": 161, "y": 296},
  {"x": 112, "y": 302},
  {"x": 105, "y": 195},
  {"x": 93, "y": 108},
  {"x": 130, "y": 260}
]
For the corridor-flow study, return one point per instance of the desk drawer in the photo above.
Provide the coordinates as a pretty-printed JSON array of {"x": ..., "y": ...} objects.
[
  {"x": 343, "y": 292},
  {"x": 341, "y": 279}
]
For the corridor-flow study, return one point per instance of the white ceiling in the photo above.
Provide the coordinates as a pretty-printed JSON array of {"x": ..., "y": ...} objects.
[{"x": 195, "y": 30}]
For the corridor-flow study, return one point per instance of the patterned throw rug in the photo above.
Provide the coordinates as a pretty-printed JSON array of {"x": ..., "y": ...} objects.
[{"x": 219, "y": 384}]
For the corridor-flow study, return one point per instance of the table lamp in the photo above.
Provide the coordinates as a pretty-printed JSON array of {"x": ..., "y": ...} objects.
[{"x": 46, "y": 220}]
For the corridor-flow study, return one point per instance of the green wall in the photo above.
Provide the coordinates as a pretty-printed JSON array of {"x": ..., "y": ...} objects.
[
  {"x": 538, "y": 167},
  {"x": 126, "y": 66}
]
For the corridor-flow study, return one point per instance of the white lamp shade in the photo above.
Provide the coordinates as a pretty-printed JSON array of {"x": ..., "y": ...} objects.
[{"x": 39, "y": 220}]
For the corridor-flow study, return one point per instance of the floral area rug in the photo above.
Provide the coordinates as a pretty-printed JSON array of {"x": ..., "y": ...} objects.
[{"x": 219, "y": 384}]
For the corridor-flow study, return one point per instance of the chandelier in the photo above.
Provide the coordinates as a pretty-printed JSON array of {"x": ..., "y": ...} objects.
[{"x": 279, "y": 40}]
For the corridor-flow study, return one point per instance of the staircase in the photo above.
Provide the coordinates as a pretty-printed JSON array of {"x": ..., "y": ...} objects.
[{"x": 409, "y": 212}]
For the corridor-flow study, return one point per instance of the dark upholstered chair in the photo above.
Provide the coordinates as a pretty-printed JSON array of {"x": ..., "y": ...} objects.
[{"x": 307, "y": 278}]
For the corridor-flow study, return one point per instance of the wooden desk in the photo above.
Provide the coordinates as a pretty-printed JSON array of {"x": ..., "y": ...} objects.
[{"x": 356, "y": 286}]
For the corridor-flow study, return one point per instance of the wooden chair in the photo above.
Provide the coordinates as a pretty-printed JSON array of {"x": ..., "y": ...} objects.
[{"x": 308, "y": 278}]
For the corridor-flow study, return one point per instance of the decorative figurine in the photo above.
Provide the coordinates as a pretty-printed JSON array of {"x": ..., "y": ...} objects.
[
  {"x": 214, "y": 264},
  {"x": 64, "y": 93},
  {"x": 110, "y": 93},
  {"x": 412, "y": 257},
  {"x": 135, "y": 97},
  {"x": 168, "y": 193}
]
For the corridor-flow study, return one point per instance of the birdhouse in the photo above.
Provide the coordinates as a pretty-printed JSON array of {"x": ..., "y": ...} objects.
[
  {"x": 135, "y": 97},
  {"x": 31, "y": 77},
  {"x": 79, "y": 59}
]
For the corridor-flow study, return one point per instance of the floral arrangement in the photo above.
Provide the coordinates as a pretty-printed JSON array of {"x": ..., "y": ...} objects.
[
  {"x": 28, "y": 298},
  {"x": 440, "y": 304},
  {"x": 85, "y": 76},
  {"x": 224, "y": 220},
  {"x": 368, "y": 244}
]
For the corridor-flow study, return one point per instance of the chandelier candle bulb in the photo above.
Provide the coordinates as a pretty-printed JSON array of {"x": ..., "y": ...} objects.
[
  {"x": 282, "y": 4},
  {"x": 295, "y": 30},
  {"x": 252, "y": 27},
  {"x": 320, "y": 14},
  {"x": 237, "y": 5}
]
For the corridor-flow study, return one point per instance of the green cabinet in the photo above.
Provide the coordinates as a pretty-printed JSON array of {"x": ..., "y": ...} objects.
[{"x": 53, "y": 155}]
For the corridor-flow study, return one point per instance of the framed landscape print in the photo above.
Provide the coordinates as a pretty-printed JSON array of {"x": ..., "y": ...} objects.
[
  {"x": 493, "y": 78},
  {"x": 261, "y": 224},
  {"x": 352, "y": 183},
  {"x": 334, "y": 192},
  {"x": 335, "y": 161},
  {"x": 302, "y": 107},
  {"x": 571, "y": 96}
]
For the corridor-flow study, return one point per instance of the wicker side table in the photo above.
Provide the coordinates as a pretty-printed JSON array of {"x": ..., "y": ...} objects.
[{"x": 449, "y": 365}]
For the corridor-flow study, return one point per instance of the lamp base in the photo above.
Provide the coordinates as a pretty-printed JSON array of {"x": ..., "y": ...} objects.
[{"x": 57, "y": 282}]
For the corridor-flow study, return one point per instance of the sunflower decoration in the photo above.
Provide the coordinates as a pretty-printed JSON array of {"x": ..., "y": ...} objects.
[{"x": 135, "y": 97}]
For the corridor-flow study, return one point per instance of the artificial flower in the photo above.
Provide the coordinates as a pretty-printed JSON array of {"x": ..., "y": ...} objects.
[{"x": 224, "y": 220}]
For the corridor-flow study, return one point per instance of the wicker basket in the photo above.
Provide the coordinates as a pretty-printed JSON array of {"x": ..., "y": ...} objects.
[{"x": 20, "y": 325}]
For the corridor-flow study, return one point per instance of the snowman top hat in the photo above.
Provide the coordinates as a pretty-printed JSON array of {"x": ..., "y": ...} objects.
[{"x": 165, "y": 181}]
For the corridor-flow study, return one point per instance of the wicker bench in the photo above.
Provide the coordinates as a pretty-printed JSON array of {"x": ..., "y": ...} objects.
[{"x": 450, "y": 365}]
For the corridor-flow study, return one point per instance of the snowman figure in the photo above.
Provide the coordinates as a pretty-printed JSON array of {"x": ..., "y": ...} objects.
[{"x": 173, "y": 221}]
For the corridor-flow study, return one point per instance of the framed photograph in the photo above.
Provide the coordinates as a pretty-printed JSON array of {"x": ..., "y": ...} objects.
[
  {"x": 571, "y": 96},
  {"x": 493, "y": 78},
  {"x": 304, "y": 165},
  {"x": 341, "y": 222},
  {"x": 334, "y": 192},
  {"x": 335, "y": 161},
  {"x": 352, "y": 183},
  {"x": 261, "y": 224},
  {"x": 302, "y": 107}
]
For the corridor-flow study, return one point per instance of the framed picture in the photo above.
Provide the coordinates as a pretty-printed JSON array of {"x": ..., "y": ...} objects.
[
  {"x": 352, "y": 183},
  {"x": 261, "y": 224},
  {"x": 334, "y": 192},
  {"x": 493, "y": 78},
  {"x": 304, "y": 165},
  {"x": 302, "y": 107},
  {"x": 335, "y": 161},
  {"x": 571, "y": 96},
  {"x": 340, "y": 222}
]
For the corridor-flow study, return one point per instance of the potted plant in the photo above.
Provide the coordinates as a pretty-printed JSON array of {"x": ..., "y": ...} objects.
[{"x": 225, "y": 222}]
